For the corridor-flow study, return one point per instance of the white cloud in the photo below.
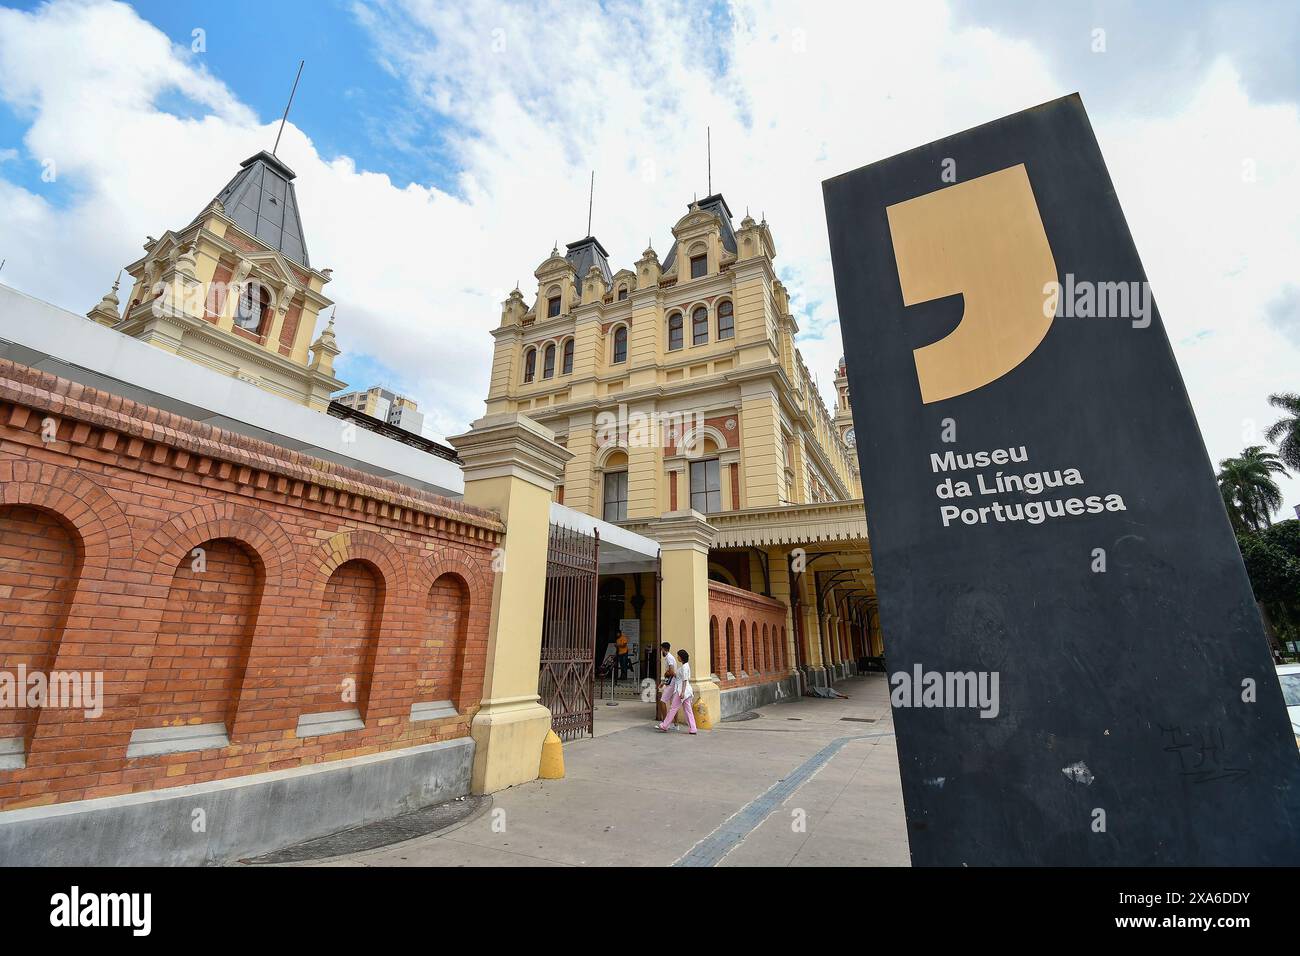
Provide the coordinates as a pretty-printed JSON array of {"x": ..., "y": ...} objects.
[{"x": 541, "y": 93}]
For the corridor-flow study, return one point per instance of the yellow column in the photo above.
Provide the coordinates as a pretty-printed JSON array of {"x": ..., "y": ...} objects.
[
  {"x": 511, "y": 465},
  {"x": 685, "y": 538},
  {"x": 780, "y": 570},
  {"x": 761, "y": 438}
]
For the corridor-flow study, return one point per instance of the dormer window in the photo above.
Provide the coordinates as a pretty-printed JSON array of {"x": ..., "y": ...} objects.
[
  {"x": 552, "y": 306},
  {"x": 699, "y": 266},
  {"x": 622, "y": 293},
  {"x": 254, "y": 306}
]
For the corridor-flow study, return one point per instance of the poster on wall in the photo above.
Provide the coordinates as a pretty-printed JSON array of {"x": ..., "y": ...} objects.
[
  {"x": 631, "y": 628},
  {"x": 1077, "y": 668}
]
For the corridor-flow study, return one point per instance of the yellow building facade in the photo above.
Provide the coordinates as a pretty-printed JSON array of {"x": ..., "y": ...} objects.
[
  {"x": 235, "y": 291},
  {"x": 676, "y": 386}
]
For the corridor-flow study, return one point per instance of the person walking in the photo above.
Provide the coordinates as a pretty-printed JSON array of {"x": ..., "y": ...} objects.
[
  {"x": 667, "y": 668},
  {"x": 682, "y": 693}
]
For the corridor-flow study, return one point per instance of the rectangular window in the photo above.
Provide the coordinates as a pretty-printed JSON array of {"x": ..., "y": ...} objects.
[
  {"x": 622, "y": 294},
  {"x": 706, "y": 486},
  {"x": 699, "y": 266},
  {"x": 552, "y": 306},
  {"x": 726, "y": 321},
  {"x": 615, "y": 496},
  {"x": 700, "y": 327}
]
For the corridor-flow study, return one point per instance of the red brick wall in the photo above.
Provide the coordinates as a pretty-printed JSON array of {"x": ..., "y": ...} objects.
[
  {"x": 39, "y": 559},
  {"x": 129, "y": 492},
  {"x": 442, "y": 663},
  {"x": 349, "y": 625},
  {"x": 747, "y": 633},
  {"x": 203, "y": 644}
]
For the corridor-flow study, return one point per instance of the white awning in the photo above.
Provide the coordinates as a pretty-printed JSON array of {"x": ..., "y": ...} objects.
[{"x": 621, "y": 551}]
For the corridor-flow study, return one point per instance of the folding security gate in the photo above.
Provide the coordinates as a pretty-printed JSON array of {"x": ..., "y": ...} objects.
[{"x": 569, "y": 632}]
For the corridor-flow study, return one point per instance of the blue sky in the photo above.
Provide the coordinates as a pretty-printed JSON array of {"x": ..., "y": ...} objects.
[{"x": 442, "y": 148}]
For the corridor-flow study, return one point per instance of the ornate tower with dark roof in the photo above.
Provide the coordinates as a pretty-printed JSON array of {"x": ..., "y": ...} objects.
[{"x": 235, "y": 290}]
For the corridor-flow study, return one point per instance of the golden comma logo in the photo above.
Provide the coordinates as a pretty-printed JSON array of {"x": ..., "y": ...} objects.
[{"x": 985, "y": 239}]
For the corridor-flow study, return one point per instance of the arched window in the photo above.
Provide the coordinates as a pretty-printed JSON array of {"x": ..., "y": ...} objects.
[
  {"x": 530, "y": 365},
  {"x": 548, "y": 361},
  {"x": 700, "y": 326},
  {"x": 566, "y": 365},
  {"x": 620, "y": 344},
  {"x": 674, "y": 331},
  {"x": 726, "y": 320},
  {"x": 254, "y": 305},
  {"x": 615, "y": 487}
]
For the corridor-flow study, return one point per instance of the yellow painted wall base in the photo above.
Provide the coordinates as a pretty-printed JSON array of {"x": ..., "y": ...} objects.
[
  {"x": 552, "y": 758},
  {"x": 508, "y": 744}
]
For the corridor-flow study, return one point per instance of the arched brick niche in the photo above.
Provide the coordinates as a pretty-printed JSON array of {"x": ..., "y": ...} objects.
[
  {"x": 203, "y": 644},
  {"x": 441, "y": 664},
  {"x": 40, "y": 563},
  {"x": 316, "y": 591},
  {"x": 351, "y": 614}
]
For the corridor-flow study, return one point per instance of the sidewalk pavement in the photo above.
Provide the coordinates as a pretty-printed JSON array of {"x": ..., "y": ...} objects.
[{"x": 810, "y": 782}]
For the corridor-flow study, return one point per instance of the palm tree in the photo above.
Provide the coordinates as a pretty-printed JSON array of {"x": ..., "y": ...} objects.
[
  {"x": 1285, "y": 433},
  {"x": 1249, "y": 492}
]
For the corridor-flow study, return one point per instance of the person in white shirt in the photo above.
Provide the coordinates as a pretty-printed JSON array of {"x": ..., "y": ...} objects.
[
  {"x": 667, "y": 667},
  {"x": 682, "y": 693}
]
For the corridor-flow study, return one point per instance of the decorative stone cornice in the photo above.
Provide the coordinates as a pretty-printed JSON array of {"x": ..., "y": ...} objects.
[
  {"x": 681, "y": 531},
  {"x": 512, "y": 445}
]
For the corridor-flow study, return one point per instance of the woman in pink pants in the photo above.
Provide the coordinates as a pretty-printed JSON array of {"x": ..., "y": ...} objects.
[{"x": 682, "y": 694}]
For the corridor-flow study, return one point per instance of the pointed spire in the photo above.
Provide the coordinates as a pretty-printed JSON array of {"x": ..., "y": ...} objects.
[
  {"x": 106, "y": 313},
  {"x": 325, "y": 348}
]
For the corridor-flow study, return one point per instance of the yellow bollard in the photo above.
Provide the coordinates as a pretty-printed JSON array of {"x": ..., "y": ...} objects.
[
  {"x": 552, "y": 767},
  {"x": 703, "y": 720}
]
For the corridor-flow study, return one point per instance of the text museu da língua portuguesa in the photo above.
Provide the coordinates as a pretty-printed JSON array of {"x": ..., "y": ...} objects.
[{"x": 1053, "y": 485}]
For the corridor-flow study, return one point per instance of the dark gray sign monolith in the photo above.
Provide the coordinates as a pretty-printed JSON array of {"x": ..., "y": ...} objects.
[{"x": 1077, "y": 666}]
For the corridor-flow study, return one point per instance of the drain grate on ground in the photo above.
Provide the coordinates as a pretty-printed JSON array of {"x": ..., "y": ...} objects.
[
  {"x": 371, "y": 836},
  {"x": 860, "y": 720},
  {"x": 743, "y": 715}
]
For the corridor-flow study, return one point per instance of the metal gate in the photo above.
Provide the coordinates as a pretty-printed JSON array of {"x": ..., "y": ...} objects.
[{"x": 569, "y": 632}]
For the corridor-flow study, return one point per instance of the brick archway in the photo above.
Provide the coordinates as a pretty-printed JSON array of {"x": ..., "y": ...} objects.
[
  {"x": 169, "y": 545},
  {"x": 261, "y": 533},
  {"x": 353, "y": 546},
  {"x": 105, "y": 533},
  {"x": 106, "y": 549}
]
